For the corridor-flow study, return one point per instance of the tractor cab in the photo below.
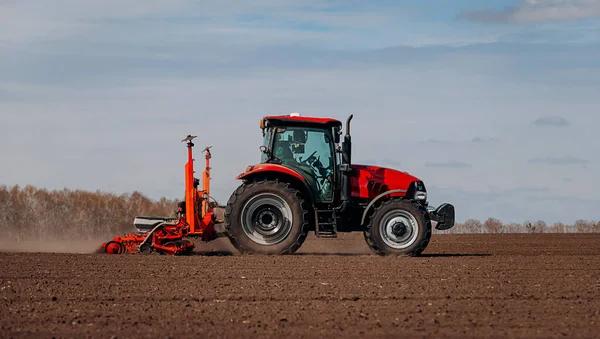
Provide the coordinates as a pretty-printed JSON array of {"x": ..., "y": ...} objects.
[{"x": 305, "y": 145}]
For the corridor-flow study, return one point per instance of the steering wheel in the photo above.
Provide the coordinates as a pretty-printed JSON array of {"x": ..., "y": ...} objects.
[
  {"x": 310, "y": 156},
  {"x": 318, "y": 165}
]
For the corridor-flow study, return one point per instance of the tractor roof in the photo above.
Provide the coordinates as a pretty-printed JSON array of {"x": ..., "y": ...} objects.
[{"x": 295, "y": 118}]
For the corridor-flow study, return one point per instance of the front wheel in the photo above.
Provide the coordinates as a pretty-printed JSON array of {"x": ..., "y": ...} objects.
[
  {"x": 398, "y": 228},
  {"x": 266, "y": 217}
]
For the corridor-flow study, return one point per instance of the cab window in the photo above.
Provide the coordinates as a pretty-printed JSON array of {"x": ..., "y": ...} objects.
[{"x": 310, "y": 151}]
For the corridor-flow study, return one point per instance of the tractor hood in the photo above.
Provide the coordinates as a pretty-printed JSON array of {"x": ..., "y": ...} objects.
[{"x": 369, "y": 181}]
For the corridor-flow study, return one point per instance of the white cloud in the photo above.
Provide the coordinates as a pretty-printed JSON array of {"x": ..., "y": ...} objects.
[
  {"x": 340, "y": 24},
  {"x": 540, "y": 11},
  {"x": 549, "y": 10},
  {"x": 27, "y": 20}
]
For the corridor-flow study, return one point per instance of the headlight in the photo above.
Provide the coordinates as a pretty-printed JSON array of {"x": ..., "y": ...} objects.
[{"x": 420, "y": 195}]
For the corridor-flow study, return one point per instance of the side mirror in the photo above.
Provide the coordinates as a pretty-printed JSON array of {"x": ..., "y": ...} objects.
[
  {"x": 336, "y": 135},
  {"x": 263, "y": 149}
]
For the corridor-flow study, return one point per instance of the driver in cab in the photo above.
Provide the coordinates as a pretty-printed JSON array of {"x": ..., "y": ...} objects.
[{"x": 283, "y": 149}]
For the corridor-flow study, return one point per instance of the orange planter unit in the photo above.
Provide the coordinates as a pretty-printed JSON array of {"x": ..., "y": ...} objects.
[{"x": 195, "y": 218}]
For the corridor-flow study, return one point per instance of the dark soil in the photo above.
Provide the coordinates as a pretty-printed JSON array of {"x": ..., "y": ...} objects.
[{"x": 521, "y": 285}]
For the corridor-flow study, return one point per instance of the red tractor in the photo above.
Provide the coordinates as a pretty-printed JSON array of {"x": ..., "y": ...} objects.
[{"x": 306, "y": 182}]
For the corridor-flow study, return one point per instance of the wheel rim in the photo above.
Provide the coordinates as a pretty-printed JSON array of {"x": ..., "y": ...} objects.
[
  {"x": 267, "y": 219},
  {"x": 399, "y": 229},
  {"x": 113, "y": 247}
]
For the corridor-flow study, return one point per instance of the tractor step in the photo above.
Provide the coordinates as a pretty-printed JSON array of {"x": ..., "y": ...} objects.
[{"x": 326, "y": 224}]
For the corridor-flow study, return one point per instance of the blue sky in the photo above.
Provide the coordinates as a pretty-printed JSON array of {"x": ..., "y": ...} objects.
[{"x": 493, "y": 104}]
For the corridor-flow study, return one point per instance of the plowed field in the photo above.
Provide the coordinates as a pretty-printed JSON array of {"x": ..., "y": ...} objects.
[{"x": 520, "y": 285}]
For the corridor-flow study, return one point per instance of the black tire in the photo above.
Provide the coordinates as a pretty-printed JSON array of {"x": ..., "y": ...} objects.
[
  {"x": 398, "y": 227},
  {"x": 145, "y": 249},
  {"x": 257, "y": 218}
]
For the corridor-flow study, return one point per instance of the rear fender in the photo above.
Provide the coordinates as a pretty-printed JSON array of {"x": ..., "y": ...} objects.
[
  {"x": 282, "y": 173},
  {"x": 268, "y": 168}
]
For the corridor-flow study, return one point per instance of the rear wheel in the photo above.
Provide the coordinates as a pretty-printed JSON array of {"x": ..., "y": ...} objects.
[
  {"x": 266, "y": 217},
  {"x": 398, "y": 227}
]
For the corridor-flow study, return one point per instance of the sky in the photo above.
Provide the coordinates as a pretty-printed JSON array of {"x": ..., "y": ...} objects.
[{"x": 494, "y": 104}]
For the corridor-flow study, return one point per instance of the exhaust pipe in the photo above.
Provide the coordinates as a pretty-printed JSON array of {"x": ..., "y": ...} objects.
[
  {"x": 347, "y": 145},
  {"x": 347, "y": 161},
  {"x": 348, "y": 124}
]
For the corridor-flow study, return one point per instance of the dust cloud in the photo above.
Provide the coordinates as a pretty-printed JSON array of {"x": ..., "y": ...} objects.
[{"x": 52, "y": 246}]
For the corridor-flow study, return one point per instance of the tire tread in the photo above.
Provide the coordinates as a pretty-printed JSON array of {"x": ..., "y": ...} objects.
[
  {"x": 258, "y": 182},
  {"x": 368, "y": 231}
]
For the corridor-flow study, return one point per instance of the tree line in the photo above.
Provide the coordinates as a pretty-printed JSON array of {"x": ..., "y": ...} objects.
[
  {"x": 31, "y": 213},
  {"x": 493, "y": 225}
]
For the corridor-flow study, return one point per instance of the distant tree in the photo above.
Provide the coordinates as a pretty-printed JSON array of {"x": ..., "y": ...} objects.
[
  {"x": 472, "y": 226},
  {"x": 557, "y": 227},
  {"x": 513, "y": 228},
  {"x": 539, "y": 227},
  {"x": 493, "y": 225},
  {"x": 584, "y": 226},
  {"x": 529, "y": 227},
  {"x": 30, "y": 213}
]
